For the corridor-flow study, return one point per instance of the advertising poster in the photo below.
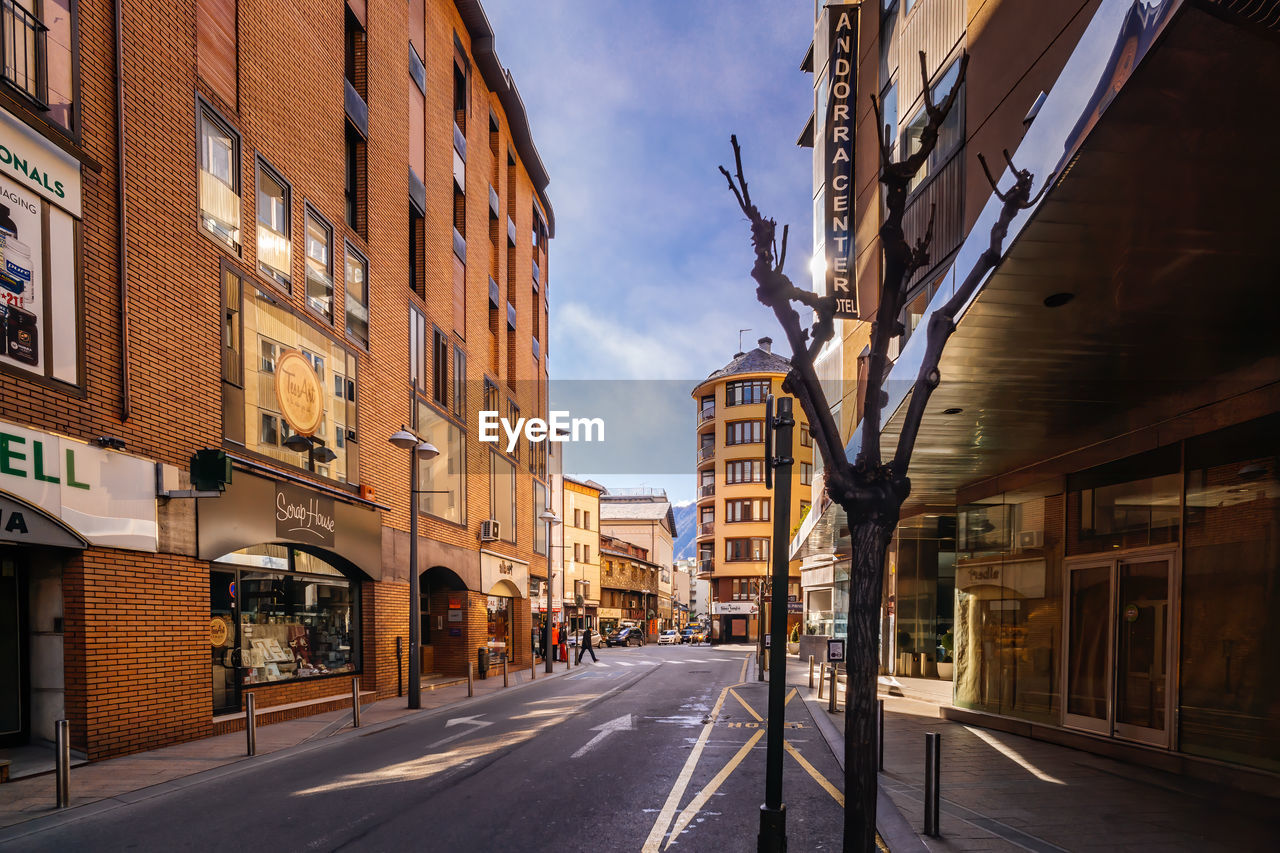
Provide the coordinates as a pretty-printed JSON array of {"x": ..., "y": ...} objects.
[{"x": 21, "y": 278}]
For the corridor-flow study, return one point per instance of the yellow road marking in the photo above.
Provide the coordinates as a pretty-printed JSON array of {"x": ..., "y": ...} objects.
[
  {"x": 743, "y": 703},
  {"x": 699, "y": 801},
  {"x": 813, "y": 771},
  {"x": 651, "y": 844},
  {"x": 742, "y": 676},
  {"x": 790, "y": 696}
]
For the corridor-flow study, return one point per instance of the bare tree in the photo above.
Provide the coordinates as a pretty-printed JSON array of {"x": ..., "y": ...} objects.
[{"x": 870, "y": 490}]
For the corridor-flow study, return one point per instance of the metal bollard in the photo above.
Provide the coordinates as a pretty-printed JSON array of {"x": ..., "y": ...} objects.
[
  {"x": 355, "y": 703},
  {"x": 251, "y": 723},
  {"x": 568, "y": 659},
  {"x": 471, "y": 680},
  {"x": 835, "y": 686},
  {"x": 880, "y": 733},
  {"x": 533, "y": 670},
  {"x": 810, "y": 672},
  {"x": 822, "y": 679},
  {"x": 932, "y": 771},
  {"x": 62, "y": 757},
  {"x": 505, "y": 682}
]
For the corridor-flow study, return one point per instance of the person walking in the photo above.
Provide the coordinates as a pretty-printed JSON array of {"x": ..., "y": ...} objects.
[{"x": 585, "y": 646}]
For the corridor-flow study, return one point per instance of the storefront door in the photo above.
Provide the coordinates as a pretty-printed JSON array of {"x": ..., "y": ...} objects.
[
  {"x": 1119, "y": 634},
  {"x": 15, "y": 690}
]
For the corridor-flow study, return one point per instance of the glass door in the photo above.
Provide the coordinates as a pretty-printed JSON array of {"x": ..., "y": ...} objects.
[
  {"x": 14, "y": 680},
  {"x": 1119, "y": 632},
  {"x": 224, "y": 651}
]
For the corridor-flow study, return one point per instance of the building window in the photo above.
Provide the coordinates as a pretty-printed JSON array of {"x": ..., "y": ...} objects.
[
  {"x": 443, "y": 479},
  {"x": 577, "y": 518},
  {"x": 219, "y": 179},
  {"x": 752, "y": 550},
  {"x": 357, "y": 294},
  {"x": 586, "y": 519},
  {"x": 459, "y": 382},
  {"x": 319, "y": 240},
  {"x": 950, "y": 135},
  {"x": 299, "y": 616},
  {"x": 577, "y": 552},
  {"x": 746, "y": 392},
  {"x": 418, "y": 351},
  {"x": 513, "y": 417},
  {"x": 502, "y": 494},
  {"x": 460, "y": 76},
  {"x": 490, "y": 395},
  {"x": 539, "y": 526},
  {"x": 270, "y": 330},
  {"x": 806, "y": 474},
  {"x": 744, "y": 432},
  {"x": 746, "y": 509},
  {"x": 586, "y": 553},
  {"x": 440, "y": 369},
  {"x": 806, "y": 437},
  {"x": 744, "y": 471},
  {"x": 274, "y": 242},
  {"x": 354, "y": 188},
  {"x": 417, "y": 252}
]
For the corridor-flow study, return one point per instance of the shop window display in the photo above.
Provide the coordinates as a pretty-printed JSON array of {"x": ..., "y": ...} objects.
[
  {"x": 500, "y": 627},
  {"x": 1006, "y": 638},
  {"x": 298, "y": 616}
]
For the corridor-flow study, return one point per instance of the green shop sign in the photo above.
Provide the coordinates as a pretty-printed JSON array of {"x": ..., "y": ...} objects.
[{"x": 18, "y": 458}]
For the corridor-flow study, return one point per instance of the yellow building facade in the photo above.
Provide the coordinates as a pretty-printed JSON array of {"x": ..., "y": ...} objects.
[
  {"x": 735, "y": 511},
  {"x": 581, "y": 552}
]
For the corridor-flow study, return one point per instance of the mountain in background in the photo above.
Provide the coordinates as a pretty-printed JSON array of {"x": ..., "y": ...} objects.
[{"x": 684, "y": 545}]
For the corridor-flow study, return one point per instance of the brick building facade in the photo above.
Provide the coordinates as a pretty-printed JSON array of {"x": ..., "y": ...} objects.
[{"x": 353, "y": 184}]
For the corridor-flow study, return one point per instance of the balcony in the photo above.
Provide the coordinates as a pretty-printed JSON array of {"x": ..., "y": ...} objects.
[
  {"x": 706, "y": 528},
  {"x": 22, "y": 46},
  {"x": 707, "y": 491},
  {"x": 706, "y": 567},
  {"x": 705, "y": 453},
  {"x": 706, "y": 414}
]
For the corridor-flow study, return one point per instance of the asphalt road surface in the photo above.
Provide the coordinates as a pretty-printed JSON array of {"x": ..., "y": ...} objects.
[{"x": 650, "y": 749}]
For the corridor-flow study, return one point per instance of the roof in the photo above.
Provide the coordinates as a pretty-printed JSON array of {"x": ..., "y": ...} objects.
[
  {"x": 501, "y": 83},
  {"x": 638, "y": 510},
  {"x": 756, "y": 361}
]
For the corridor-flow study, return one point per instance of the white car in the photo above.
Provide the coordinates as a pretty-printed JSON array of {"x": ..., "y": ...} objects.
[{"x": 669, "y": 638}]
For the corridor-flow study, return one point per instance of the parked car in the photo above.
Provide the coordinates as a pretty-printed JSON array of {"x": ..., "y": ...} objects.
[
  {"x": 687, "y": 635},
  {"x": 668, "y": 638},
  {"x": 626, "y": 637}
]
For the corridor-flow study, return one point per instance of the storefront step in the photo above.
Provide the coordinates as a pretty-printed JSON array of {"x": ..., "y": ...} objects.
[{"x": 225, "y": 723}]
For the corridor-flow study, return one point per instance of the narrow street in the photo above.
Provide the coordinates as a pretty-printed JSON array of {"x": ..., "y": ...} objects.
[{"x": 650, "y": 749}]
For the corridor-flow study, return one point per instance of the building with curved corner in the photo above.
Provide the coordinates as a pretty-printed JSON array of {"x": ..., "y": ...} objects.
[{"x": 734, "y": 509}]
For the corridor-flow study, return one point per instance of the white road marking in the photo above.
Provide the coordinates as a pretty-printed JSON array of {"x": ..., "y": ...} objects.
[
  {"x": 456, "y": 721},
  {"x": 617, "y": 724}
]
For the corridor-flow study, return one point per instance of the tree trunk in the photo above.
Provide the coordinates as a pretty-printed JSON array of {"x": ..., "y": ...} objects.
[{"x": 868, "y": 538}]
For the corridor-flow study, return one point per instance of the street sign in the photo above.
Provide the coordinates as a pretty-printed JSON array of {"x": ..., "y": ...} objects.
[
  {"x": 767, "y": 638},
  {"x": 835, "y": 650}
]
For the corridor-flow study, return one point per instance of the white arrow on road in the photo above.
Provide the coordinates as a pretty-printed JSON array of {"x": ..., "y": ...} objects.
[
  {"x": 618, "y": 724},
  {"x": 457, "y": 721}
]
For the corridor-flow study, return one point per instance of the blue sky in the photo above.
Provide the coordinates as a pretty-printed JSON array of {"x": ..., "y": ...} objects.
[{"x": 631, "y": 106}]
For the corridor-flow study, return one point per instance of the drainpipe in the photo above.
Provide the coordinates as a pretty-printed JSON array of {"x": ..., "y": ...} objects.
[{"x": 122, "y": 242}]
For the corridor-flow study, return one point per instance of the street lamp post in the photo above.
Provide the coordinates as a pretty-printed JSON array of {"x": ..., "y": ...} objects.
[
  {"x": 551, "y": 520},
  {"x": 426, "y": 451}
]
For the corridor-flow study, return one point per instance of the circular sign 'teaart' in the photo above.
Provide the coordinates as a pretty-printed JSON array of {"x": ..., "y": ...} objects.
[{"x": 299, "y": 393}]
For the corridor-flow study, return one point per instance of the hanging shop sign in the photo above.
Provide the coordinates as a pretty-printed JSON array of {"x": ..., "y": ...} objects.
[
  {"x": 104, "y": 497},
  {"x": 299, "y": 393},
  {"x": 255, "y": 510},
  {"x": 838, "y": 132},
  {"x": 27, "y": 158},
  {"x": 496, "y": 568}
]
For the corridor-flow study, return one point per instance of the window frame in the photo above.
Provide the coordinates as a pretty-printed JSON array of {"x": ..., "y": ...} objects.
[
  {"x": 280, "y": 279},
  {"x": 309, "y": 214},
  {"x": 349, "y": 250},
  {"x": 205, "y": 109},
  {"x": 440, "y": 368}
]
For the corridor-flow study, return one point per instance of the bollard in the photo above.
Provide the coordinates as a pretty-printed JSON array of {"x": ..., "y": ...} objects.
[
  {"x": 251, "y": 723},
  {"x": 471, "y": 682},
  {"x": 810, "y": 672},
  {"x": 533, "y": 671},
  {"x": 822, "y": 679},
  {"x": 62, "y": 757},
  {"x": 932, "y": 771},
  {"x": 355, "y": 703},
  {"x": 880, "y": 733},
  {"x": 835, "y": 683},
  {"x": 568, "y": 659},
  {"x": 505, "y": 683}
]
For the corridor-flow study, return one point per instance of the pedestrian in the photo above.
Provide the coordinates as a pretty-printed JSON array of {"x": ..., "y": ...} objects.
[{"x": 585, "y": 646}]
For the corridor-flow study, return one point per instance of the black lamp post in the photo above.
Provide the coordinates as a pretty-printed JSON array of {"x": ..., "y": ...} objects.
[
  {"x": 551, "y": 520},
  {"x": 422, "y": 450}
]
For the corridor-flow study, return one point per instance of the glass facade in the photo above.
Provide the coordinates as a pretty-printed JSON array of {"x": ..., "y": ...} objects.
[
  {"x": 501, "y": 624},
  {"x": 921, "y": 588}
]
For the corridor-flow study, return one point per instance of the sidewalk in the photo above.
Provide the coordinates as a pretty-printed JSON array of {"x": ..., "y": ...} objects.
[
  {"x": 1005, "y": 792},
  {"x": 35, "y": 796}
]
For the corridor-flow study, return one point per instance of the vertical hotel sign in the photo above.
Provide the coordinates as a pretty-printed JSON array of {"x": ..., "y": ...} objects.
[{"x": 841, "y": 84}]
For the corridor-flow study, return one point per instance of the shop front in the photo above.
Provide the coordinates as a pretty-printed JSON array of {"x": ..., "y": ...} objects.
[
  {"x": 734, "y": 620},
  {"x": 505, "y": 582},
  {"x": 288, "y": 569},
  {"x": 62, "y": 503}
]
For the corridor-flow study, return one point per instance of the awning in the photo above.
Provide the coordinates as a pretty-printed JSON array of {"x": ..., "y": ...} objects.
[{"x": 1161, "y": 127}]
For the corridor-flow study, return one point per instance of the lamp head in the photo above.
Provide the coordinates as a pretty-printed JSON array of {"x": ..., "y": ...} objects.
[
  {"x": 298, "y": 443},
  {"x": 404, "y": 439},
  {"x": 426, "y": 451},
  {"x": 549, "y": 517}
]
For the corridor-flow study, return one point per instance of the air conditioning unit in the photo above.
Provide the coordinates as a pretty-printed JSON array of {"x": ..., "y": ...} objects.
[
  {"x": 490, "y": 530},
  {"x": 1028, "y": 539}
]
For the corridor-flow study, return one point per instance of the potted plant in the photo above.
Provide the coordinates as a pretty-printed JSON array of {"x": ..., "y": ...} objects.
[
  {"x": 946, "y": 662},
  {"x": 793, "y": 640}
]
